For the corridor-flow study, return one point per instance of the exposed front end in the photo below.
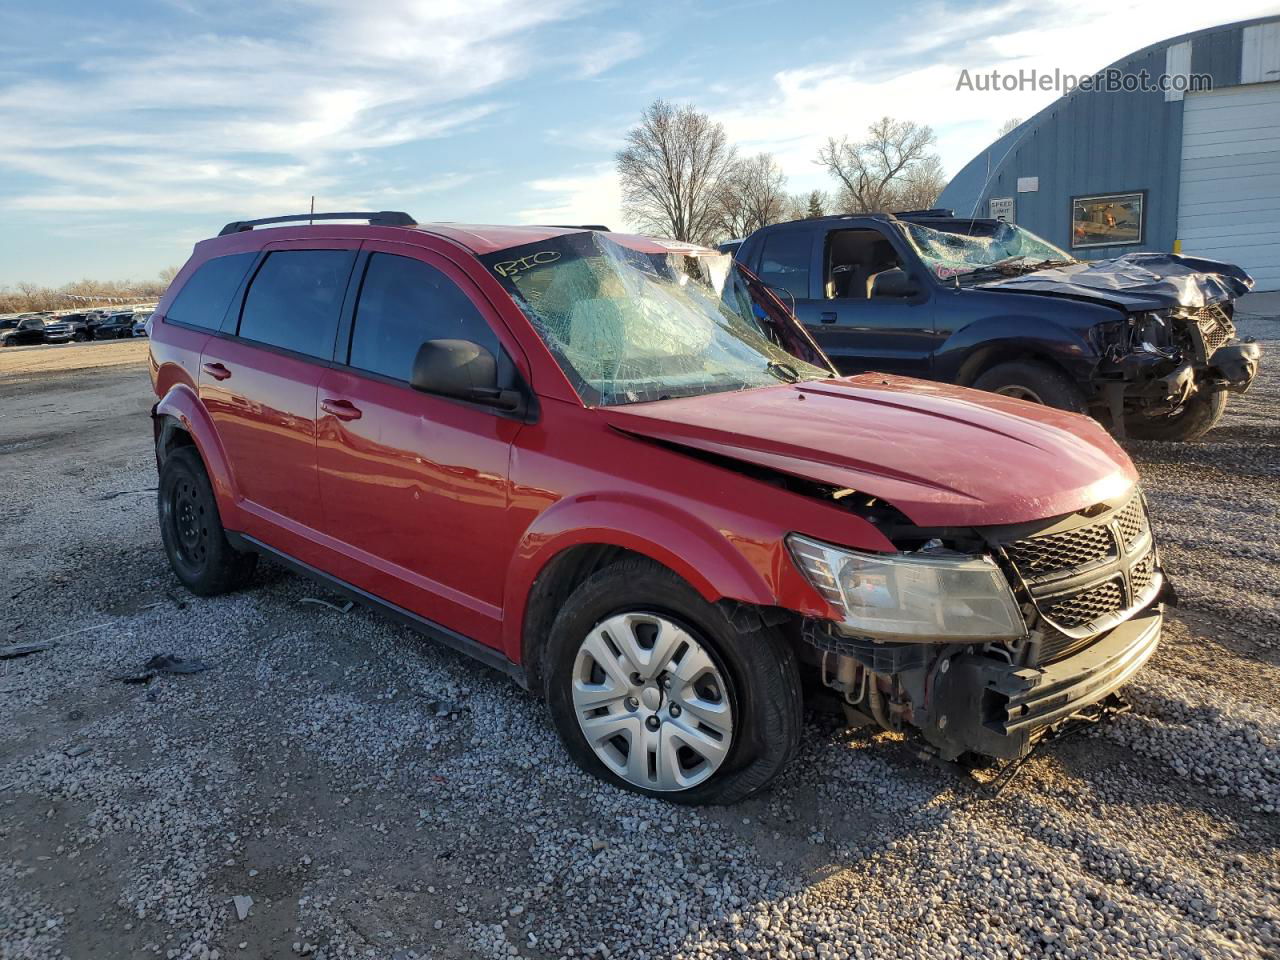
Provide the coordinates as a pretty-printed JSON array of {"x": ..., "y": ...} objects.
[
  {"x": 1013, "y": 630},
  {"x": 1156, "y": 363}
]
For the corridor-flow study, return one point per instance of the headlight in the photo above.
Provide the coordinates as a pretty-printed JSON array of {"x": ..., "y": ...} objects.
[{"x": 912, "y": 597}]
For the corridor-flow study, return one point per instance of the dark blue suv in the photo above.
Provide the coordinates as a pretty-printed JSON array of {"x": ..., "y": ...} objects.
[{"x": 1144, "y": 342}]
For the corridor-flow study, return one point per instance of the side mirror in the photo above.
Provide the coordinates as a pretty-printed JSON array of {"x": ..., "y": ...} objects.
[
  {"x": 894, "y": 283},
  {"x": 463, "y": 370}
]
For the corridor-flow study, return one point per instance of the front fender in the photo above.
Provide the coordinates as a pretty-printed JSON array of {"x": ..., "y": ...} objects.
[
  {"x": 182, "y": 406},
  {"x": 961, "y": 357},
  {"x": 719, "y": 566}
]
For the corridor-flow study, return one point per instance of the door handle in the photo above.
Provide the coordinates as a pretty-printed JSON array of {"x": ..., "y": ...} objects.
[
  {"x": 217, "y": 371},
  {"x": 342, "y": 409},
  {"x": 827, "y": 316}
]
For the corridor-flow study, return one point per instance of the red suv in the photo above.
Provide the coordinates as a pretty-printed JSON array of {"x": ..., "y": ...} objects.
[{"x": 619, "y": 470}]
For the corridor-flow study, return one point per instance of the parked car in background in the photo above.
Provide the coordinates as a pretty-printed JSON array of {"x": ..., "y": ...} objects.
[
  {"x": 27, "y": 331},
  {"x": 619, "y": 470},
  {"x": 1144, "y": 342},
  {"x": 65, "y": 328},
  {"x": 140, "y": 324},
  {"x": 114, "y": 326}
]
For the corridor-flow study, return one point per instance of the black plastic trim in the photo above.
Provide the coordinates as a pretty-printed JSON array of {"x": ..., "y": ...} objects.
[{"x": 450, "y": 638}]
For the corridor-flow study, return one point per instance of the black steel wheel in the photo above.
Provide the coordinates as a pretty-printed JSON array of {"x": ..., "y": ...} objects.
[{"x": 192, "y": 531}]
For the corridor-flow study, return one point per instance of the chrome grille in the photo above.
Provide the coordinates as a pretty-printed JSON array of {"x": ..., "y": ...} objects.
[
  {"x": 1132, "y": 521},
  {"x": 1075, "y": 548},
  {"x": 1088, "y": 605},
  {"x": 1057, "y": 645},
  {"x": 1215, "y": 326},
  {"x": 1143, "y": 572},
  {"x": 1086, "y": 580}
]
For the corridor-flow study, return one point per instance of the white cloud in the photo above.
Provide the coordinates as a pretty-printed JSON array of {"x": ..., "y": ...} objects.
[
  {"x": 189, "y": 125},
  {"x": 589, "y": 196},
  {"x": 597, "y": 57},
  {"x": 917, "y": 78}
]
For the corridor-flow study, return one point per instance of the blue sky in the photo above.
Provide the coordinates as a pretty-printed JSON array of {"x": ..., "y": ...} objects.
[{"x": 131, "y": 129}]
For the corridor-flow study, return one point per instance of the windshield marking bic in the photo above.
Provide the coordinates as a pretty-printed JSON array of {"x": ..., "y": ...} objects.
[{"x": 508, "y": 268}]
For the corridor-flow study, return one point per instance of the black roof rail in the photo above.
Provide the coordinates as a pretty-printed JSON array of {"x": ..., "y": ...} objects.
[
  {"x": 581, "y": 226},
  {"x": 934, "y": 212},
  {"x": 381, "y": 218}
]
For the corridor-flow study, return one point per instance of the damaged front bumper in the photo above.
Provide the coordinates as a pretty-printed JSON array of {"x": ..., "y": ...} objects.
[
  {"x": 1156, "y": 363},
  {"x": 998, "y": 709},
  {"x": 1091, "y": 589},
  {"x": 965, "y": 700}
]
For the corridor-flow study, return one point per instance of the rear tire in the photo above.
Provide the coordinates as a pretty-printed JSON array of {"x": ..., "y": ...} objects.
[
  {"x": 1197, "y": 417},
  {"x": 199, "y": 552},
  {"x": 1033, "y": 381},
  {"x": 718, "y": 679}
]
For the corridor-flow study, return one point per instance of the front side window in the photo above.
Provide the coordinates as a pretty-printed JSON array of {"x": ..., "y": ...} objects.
[
  {"x": 204, "y": 298},
  {"x": 855, "y": 259},
  {"x": 404, "y": 303},
  {"x": 295, "y": 299},
  {"x": 628, "y": 326}
]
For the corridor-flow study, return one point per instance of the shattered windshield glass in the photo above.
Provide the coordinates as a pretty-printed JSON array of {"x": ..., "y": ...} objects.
[
  {"x": 1007, "y": 251},
  {"x": 628, "y": 327}
]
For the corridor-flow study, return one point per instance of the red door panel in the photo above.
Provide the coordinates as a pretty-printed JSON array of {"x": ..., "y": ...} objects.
[
  {"x": 263, "y": 405},
  {"x": 263, "y": 398},
  {"x": 415, "y": 486}
]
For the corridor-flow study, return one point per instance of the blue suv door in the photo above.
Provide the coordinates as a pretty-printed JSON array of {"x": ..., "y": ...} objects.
[
  {"x": 876, "y": 310},
  {"x": 856, "y": 287}
]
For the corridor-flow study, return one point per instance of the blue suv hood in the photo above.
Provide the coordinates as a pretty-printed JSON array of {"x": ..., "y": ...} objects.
[{"x": 1137, "y": 281}]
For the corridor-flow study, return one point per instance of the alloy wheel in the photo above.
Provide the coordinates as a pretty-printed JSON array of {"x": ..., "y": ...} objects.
[{"x": 652, "y": 702}]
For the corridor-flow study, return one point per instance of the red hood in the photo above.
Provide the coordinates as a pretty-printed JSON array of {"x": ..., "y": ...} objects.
[{"x": 943, "y": 455}]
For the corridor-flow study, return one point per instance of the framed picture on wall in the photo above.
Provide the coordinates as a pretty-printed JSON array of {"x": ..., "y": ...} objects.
[{"x": 1108, "y": 220}]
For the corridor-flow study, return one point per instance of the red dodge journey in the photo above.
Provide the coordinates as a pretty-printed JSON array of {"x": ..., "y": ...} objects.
[{"x": 619, "y": 470}]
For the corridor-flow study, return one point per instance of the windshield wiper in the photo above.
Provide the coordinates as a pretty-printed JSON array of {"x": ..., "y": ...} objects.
[{"x": 783, "y": 371}]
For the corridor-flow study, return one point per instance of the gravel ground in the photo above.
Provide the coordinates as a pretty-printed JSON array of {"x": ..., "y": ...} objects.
[{"x": 376, "y": 795}]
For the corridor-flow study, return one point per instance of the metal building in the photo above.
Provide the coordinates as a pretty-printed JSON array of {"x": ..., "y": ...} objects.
[{"x": 1193, "y": 167}]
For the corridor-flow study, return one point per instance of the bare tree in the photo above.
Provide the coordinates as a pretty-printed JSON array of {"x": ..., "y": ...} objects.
[
  {"x": 919, "y": 187},
  {"x": 871, "y": 171},
  {"x": 1010, "y": 125},
  {"x": 168, "y": 273},
  {"x": 672, "y": 171},
  {"x": 25, "y": 296},
  {"x": 752, "y": 195}
]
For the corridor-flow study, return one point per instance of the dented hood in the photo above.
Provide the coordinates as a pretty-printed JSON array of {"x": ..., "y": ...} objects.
[
  {"x": 943, "y": 455},
  {"x": 1137, "y": 281}
]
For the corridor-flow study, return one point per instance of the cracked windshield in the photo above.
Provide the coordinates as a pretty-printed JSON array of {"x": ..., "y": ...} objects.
[
  {"x": 628, "y": 326},
  {"x": 1008, "y": 251}
]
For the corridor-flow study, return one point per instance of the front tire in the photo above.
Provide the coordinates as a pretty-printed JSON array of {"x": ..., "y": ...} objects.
[
  {"x": 1197, "y": 417},
  {"x": 192, "y": 531},
  {"x": 1033, "y": 381},
  {"x": 651, "y": 688}
]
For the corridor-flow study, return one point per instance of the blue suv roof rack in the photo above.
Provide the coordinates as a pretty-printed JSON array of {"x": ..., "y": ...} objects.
[{"x": 381, "y": 218}]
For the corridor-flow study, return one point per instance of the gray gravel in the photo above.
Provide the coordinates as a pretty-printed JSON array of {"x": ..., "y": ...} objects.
[{"x": 376, "y": 795}]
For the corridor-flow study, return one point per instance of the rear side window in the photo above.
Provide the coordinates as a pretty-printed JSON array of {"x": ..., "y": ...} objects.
[
  {"x": 784, "y": 262},
  {"x": 295, "y": 298},
  {"x": 403, "y": 304},
  {"x": 204, "y": 298}
]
